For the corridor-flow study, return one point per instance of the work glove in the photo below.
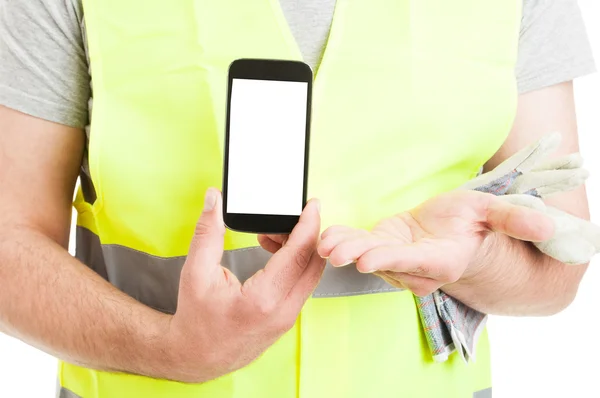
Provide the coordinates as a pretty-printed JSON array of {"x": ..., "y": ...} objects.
[{"x": 527, "y": 177}]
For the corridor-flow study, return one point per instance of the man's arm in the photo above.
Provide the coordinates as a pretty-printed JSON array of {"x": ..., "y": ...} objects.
[
  {"x": 512, "y": 277},
  {"x": 53, "y": 302},
  {"x": 448, "y": 242},
  {"x": 49, "y": 299}
]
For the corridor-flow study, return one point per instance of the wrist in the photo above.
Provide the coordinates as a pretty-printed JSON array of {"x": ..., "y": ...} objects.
[
  {"x": 183, "y": 358},
  {"x": 155, "y": 348}
]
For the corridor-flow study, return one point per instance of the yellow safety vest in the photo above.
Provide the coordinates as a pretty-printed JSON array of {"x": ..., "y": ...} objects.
[{"x": 410, "y": 99}]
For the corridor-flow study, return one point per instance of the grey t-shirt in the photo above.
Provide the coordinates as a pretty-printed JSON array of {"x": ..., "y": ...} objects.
[{"x": 44, "y": 69}]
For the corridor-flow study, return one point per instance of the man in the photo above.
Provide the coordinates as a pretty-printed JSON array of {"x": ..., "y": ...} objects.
[{"x": 411, "y": 99}]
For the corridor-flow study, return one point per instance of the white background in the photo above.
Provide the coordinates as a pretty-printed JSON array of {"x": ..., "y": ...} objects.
[
  {"x": 266, "y": 147},
  {"x": 546, "y": 357}
]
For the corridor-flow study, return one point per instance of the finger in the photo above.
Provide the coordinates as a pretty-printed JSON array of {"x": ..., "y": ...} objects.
[
  {"x": 206, "y": 249},
  {"x": 332, "y": 240},
  {"x": 268, "y": 244},
  {"x": 280, "y": 239},
  {"x": 336, "y": 230},
  {"x": 519, "y": 221},
  {"x": 306, "y": 233},
  {"x": 347, "y": 251},
  {"x": 545, "y": 183},
  {"x": 422, "y": 259},
  {"x": 571, "y": 161},
  {"x": 307, "y": 284},
  {"x": 286, "y": 266}
]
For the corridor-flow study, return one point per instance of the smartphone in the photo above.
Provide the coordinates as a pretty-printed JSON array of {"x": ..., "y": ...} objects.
[{"x": 266, "y": 145}]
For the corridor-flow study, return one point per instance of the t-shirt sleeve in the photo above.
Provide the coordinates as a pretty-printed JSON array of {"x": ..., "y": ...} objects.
[
  {"x": 553, "y": 44},
  {"x": 43, "y": 65}
]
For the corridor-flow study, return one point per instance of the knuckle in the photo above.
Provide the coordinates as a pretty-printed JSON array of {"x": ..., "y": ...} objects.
[
  {"x": 301, "y": 257},
  {"x": 202, "y": 229},
  {"x": 264, "y": 307}
]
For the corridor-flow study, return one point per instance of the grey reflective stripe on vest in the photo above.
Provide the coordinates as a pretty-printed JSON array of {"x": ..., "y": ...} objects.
[
  {"x": 64, "y": 393},
  {"x": 154, "y": 281},
  {"x": 487, "y": 393}
]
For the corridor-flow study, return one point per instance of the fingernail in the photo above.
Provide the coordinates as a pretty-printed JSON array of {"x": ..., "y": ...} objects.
[
  {"x": 318, "y": 205},
  {"x": 210, "y": 199},
  {"x": 346, "y": 263}
]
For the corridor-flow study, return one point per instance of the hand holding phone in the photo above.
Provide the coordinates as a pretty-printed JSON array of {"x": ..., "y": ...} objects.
[
  {"x": 266, "y": 145},
  {"x": 266, "y": 305}
]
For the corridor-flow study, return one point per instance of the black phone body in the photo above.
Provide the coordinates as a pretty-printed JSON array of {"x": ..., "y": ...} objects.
[{"x": 265, "y": 173}]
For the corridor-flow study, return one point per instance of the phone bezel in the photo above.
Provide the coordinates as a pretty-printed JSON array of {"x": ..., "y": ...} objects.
[{"x": 266, "y": 69}]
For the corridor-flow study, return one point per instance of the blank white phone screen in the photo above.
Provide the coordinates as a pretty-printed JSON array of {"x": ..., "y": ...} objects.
[{"x": 267, "y": 138}]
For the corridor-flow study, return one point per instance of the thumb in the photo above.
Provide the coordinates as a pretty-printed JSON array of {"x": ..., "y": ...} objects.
[
  {"x": 306, "y": 233},
  {"x": 206, "y": 249},
  {"x": 521, "y": 217}
]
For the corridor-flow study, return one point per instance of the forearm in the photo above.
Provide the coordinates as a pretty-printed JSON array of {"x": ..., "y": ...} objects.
[
  {"x": 513, "y": 277},
  {"x": 50, "y": 300}
]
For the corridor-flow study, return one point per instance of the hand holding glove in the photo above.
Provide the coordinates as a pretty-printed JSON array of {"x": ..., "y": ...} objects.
[{"x": 527, "y": 177}]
